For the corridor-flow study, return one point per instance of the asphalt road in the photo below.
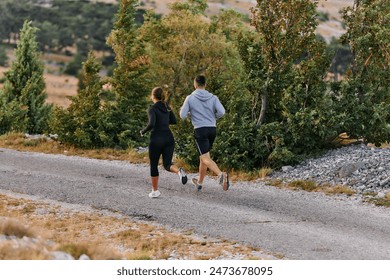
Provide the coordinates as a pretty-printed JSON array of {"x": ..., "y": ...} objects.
[{"x": 298, "y": 225}]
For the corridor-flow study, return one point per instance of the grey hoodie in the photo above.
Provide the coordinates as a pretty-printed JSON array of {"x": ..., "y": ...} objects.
[{"x": 203, "y": 107}]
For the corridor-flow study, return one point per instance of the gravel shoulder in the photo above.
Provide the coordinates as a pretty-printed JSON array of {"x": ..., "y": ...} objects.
[
  {"x": 364, "y": 169},
  {"x": 292, "y": 224}
]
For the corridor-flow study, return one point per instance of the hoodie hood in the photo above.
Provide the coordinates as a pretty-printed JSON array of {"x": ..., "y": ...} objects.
[
  {"x": 203, "y": 108},
  {"x": 161, "y": 106},
  {"x": 202, "y": 95}
]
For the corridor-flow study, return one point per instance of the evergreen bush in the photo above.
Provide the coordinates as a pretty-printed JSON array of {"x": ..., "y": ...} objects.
[
  {"x": 23, "y": 98},
  {"x": 81, "y": 123},
  {"x": 125, "y": 117}
]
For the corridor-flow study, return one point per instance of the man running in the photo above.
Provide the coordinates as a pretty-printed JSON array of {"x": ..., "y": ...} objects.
[{"x": 204, "y": 109}]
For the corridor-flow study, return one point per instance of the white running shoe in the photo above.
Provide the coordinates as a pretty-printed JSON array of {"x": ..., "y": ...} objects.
[
  {"x": 196, "y": 184},
  {"x": 182, "y": 176},
  {"x": 154, "y": 194}
]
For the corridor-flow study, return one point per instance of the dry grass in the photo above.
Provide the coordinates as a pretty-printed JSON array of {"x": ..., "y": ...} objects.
[
  {"x": 338, "y": 189},
  {"x": 311, "y": 186},
  {"x": 56, "y": 57},
  {"x": 20, "y": 142},
  {"x": 305, "y": 185},
  {"x": 386, "y": 145},
  {"x": 344, "y": 140},
  {"x": 104, "y": 235},
  {"x": 98, "y": 251},
  {"x": 12, "y": 227},
  {"x": 11, "y": 250},
  {"x": 249, "y": 176},
  {"x": 380, "y": 201},
  {"x": 59, "y": 87},
  {"x": 8, "y": 251}
]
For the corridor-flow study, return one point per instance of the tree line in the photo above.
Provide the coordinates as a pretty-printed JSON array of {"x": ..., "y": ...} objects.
[
  {"x": 82, "y": 25},
  {"x": 70, "y": 27},
  {"x": 61, "y": 23},
  {"x": 271, "y": 77}
]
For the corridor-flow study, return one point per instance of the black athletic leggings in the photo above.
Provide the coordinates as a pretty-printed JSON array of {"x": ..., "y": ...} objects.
[{"x": 161, "y": 143}]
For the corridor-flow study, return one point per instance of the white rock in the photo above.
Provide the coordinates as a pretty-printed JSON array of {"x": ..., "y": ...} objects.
[
  {"x": 287, "y": 168},
  {"x": 84, "y": 257},
  {"x": 59, "y": 255}
]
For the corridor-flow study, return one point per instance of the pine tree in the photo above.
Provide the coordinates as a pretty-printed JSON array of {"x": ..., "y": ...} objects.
[
  {"x": 126, "y": 116},
  {"x": 23, "y": 97},
  {"x": 80, "y": 123}
]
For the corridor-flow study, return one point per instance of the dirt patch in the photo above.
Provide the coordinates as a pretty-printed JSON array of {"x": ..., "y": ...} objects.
[{"x": 59, "y": 88}]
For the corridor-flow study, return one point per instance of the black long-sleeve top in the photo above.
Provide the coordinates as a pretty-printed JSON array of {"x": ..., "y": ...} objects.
[{"x": 160, "y": 117}]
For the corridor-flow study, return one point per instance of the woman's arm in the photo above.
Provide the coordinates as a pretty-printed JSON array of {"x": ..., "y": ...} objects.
[
  {"x": 152, "y": 121},
  {"x": 172, "y": 118}
]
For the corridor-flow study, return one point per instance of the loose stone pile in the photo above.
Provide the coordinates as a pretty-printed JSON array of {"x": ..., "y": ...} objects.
[{"x": 362, "y": 168}]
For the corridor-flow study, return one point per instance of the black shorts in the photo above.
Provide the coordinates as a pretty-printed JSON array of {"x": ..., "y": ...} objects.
[{"x": 204, "y": 138}]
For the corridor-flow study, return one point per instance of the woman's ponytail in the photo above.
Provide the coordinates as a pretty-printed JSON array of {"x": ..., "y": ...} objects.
[{"x": 160, "y": 95}]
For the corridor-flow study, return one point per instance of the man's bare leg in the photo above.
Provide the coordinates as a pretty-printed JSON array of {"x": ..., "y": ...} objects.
[
  {"x": 224, "y": 180},
  {"x": 210, "y": 164},
  {"x": 202, "y": 171}
]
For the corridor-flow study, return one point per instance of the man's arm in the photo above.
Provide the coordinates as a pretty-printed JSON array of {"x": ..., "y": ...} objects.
[
  {"x": 219, "y": 109},
  {"x": 185, "y": 109}
]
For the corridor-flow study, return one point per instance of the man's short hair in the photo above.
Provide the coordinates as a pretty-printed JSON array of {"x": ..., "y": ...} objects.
[{"x": 200, "y": 80}]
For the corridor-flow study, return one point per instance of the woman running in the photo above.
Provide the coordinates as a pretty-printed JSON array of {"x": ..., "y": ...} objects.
[{"x": 161, "y": 140}]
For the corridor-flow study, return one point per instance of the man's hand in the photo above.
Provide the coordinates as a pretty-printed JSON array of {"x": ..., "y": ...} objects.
[{"x": 140, "y": 132}]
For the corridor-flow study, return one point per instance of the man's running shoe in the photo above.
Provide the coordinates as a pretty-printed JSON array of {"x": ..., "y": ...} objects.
[
  {"x": 196, "y": 184},
  {"x": 182, "y": 176},
  {"x": 154, "y": 194},
  {"x": 224, "y": 181}
]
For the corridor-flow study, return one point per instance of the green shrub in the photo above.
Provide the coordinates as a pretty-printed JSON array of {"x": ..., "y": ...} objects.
[{"x": 81, "y": 123}]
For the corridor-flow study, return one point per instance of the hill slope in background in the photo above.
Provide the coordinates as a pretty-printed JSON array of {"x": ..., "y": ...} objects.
[
  {"x": 332, "y": 6},
  {"x": 328, "y": 29}
]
